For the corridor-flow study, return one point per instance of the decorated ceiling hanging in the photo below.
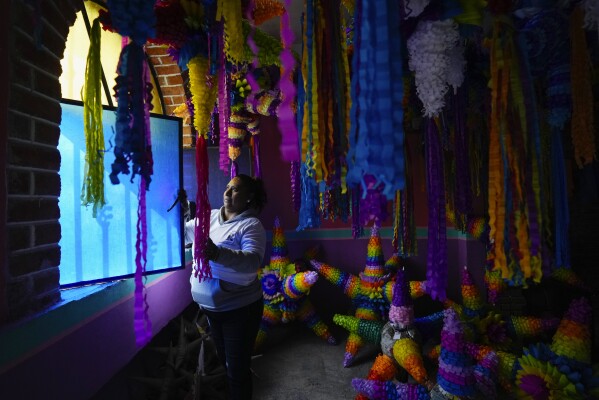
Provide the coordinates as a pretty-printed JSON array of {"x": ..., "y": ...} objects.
[
  {"x": 92, "y": 191},
  {"x": 498, "y": 135},
  {"x": 376, "y": 161},
  {"x": 135, "y": 21}
]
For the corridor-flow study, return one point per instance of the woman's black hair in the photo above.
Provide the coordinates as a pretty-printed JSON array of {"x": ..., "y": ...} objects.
[{"x": 256, "y": 188}]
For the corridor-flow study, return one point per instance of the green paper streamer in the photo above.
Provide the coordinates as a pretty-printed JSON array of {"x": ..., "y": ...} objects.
[{"x": 92, "y": 191}]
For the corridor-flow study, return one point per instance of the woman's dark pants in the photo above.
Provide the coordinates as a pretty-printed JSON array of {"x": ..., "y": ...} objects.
[{"x": 234, "y": 333}]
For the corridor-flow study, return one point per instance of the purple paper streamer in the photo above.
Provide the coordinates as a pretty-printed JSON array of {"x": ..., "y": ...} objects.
[
  {"x": 286, "y": 117},
  {"x": 142, "y": 323},
  {"x": 436, "y": 273}
]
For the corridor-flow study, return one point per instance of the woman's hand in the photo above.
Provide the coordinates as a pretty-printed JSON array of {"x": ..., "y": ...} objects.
[{"x": 212, "y": 250}]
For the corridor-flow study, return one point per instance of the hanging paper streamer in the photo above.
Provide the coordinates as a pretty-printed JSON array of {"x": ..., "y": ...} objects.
[
  {"x": 203, "y": 92},
  {"x": 202, "y": 269},
  {"x": 229, "y": 12},
  {"x": 142, "y": 323},
  {"x": 308, "y": 212},
  {"x": 376, "y": 136},
  {"x": 135, "y": 19},
  {"x": 92, "y": 191},
  {"x": 131, "y": 91},
  {"x": 436, "y": 271}
]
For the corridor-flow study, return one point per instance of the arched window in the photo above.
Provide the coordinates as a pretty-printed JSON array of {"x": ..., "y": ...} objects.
[{"x": 101, "y": 248}]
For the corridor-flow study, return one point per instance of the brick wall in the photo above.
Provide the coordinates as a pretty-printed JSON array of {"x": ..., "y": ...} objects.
[
  {"x": 37, "y": 34},
  {"x": 4, "y": 62},
  {"x": 171, "y": 84}
]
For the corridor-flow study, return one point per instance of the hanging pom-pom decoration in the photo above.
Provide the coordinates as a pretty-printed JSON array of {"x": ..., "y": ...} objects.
[{"x": 92, "y": 191}]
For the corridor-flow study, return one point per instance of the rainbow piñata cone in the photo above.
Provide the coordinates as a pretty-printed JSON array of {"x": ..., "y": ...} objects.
[
  {"x": 527, "y": 327},
  {"x": 573, "y": 336},
  {"x": 369, "y": 330},
  {"x": 375, "y": 262},
  {"x": 279, "y": 254},
  {"x": 389, "y": 390},
  {"x": 393, "y": 264},
  {"x": 350, "y": 284},
  {"x": 401, "y": 312},
  {"x": 456, "y": 371},
  {"x": 299, "y": 284},
  {"x": 307, "y": 314},
  {"x": 473, "y": 304},
  {"x": 417, "y": 289},
  {"x": 408, "y": 354},
  {"x": 495, "y": 285},
  {"x": 370, "y": 302}
]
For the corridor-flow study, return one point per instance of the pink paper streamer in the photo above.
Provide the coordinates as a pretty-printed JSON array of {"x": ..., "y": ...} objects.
[{"x": 142, "y": 323}]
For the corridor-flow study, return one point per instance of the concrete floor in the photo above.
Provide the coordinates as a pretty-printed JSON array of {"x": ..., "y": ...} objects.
[
  {"x": 294, "y": 364},
  {"x": 298, "y": 365}
]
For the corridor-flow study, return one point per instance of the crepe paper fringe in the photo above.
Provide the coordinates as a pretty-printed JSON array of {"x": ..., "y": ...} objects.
[
  {"x": 376, "y": 135},
  {"x": 229, "y": 12},
  {"x": 142, "y": 322},
  {"x": 92, "y": 191},
  {"x": 202, "y": 270},
  {"x": 133, "y": 93},
  {"x": 133, "y": 18},
  {"x": 203, "y": 91},
  {"x": 308, "y": 213},
  {"x": 436, "y": 273}
]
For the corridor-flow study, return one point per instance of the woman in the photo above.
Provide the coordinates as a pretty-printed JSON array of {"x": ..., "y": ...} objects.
[{"x": 232, "y": 298}]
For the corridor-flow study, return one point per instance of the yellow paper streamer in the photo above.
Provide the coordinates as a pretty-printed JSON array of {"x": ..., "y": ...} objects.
[
  {"x": 203, "y": 93},
  {"x": 230, "y": 12}
]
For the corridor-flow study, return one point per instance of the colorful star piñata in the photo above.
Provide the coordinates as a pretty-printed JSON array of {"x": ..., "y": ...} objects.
[
  {"x": 285, "y": 291},
  {"x": 369, "y": 292}
]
